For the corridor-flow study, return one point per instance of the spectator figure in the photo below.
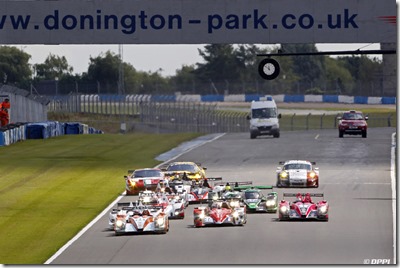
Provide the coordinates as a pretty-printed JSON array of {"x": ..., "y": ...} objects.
[
  {"x": 6, "y": 103},
  {"x": 4, "y": 117}
]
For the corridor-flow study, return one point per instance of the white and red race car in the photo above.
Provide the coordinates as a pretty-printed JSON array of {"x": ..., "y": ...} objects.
[{"x": 303, "y": 207}]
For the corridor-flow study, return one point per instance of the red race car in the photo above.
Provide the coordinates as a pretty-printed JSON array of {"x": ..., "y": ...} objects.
[
  {"x": 220, "y": 212},
  {"x": 303, "y": 208},
  {"x": 142, "y": 179}
]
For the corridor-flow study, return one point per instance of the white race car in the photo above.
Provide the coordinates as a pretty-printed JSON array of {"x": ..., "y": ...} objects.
[
  {"x": 297, "y": 173},
  {"x": 173, "y": 205},
  {"x": 141, "y": 219}
]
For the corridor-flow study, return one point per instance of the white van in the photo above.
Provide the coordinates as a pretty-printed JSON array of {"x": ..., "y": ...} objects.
[{"x": 264, "y": 118}]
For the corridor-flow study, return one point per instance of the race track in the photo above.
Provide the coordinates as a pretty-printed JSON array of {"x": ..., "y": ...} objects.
[{"x": 355, "y": 177}]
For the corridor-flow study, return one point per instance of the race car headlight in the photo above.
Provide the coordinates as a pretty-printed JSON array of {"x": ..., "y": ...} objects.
[
  {"x": 160, "y": 221},
  {"x": 119, "y": 224},
  {"x": 235, "y": 214},
  {"x": 201, "y": 215},
  {"x": 146, "y": 199},
  {"x": 271, "y": 203},
  {"x": 323, "y": 209},
  {"x": 312, "y": 174},
  {"x": 284, "y": 175},
  {"x": 133, "y": 183},
  {"x": 215, "y": 197},
  {"x": 283, "y": 209}
]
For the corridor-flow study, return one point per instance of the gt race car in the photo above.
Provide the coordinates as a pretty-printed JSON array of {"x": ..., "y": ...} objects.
[
  {"x": 142, "y": 179},
  {"x": 142, "y": 219},
  {"x": 219, "y": 212},
  {"x": 185, "y": 171},
  {"x": 297, "y": 173},
  {"x": 303, "y": 208},
  {"x": 256, "y": 201}
]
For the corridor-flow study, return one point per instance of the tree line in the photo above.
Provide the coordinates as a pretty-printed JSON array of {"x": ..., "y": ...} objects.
[{"x": 226, "y": 69}]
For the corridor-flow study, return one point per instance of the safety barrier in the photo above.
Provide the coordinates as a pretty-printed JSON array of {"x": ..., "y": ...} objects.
[
  {"x": 13, "y": 133},
  {"x": 235, "y": 98}
]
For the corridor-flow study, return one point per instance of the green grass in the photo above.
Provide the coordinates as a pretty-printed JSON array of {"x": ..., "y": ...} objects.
[{"x": 50, "y": 189}]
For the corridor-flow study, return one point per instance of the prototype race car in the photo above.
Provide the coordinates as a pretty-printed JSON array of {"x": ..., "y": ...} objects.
[
  {"x": 142, "y": 179},
  {"x": 224, "y": 187},
  {"x": 353, "y": 123},
  {"x": 219, "y": 212},
  {"x": 256, "y": 201},
  {"x": 297, "y": 173},
  {"x": 303, "y": 208},
  {"x": 148, "y": 197},
  {"x": 122, "y": 208},
  {"x": 141, "y": 219},
  {"x": 185, "y": 170},
  {"x": 199, "y": 191},
  {"x": 173, "y": 205}
]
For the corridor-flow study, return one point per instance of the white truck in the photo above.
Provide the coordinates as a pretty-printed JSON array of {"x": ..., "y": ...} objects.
[{"x": 264, "y": 118}]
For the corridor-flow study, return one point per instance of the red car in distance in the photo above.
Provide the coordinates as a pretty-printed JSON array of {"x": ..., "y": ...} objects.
[{"x": 353, "y": 123}]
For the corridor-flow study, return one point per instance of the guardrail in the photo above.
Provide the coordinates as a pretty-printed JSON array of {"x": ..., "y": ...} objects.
[{"x": 205, "y": 117}]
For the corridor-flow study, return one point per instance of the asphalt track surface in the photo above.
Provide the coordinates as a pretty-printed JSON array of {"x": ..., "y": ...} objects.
[{"x": 355, "y": 177}]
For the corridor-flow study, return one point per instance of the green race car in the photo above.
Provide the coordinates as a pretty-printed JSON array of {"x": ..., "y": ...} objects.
[{"x": 256, "y": 201}]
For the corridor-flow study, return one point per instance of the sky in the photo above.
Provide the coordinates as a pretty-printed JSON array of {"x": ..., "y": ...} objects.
[{"x": 163, "y": 58}]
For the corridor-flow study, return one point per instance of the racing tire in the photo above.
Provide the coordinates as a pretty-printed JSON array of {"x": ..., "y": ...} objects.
[
  {"x": 340, "y": 134},
  {"x": 364, "y": 134},
  {"x": 277, "y": 135},
  {"x": 253, "y": 136}
]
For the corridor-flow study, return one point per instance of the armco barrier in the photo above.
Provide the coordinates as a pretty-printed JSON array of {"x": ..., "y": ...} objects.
[
  {"x": 330, "y": 98},
  {"x": 360, "y": 100},
  {"x": 388, "y": 100}
]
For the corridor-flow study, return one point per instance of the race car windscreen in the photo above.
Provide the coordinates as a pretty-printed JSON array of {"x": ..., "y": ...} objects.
[
  {"x": 264, "y": 113},
  {"x": 189, "y": 168},
  {"x": 251, "y": 195},
  {"x": 146, "y": 173},
  {"x": 297, "y": 166}
]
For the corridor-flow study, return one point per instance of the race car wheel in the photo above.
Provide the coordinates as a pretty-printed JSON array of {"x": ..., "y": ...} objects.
[
  {"x": 277, "y": 135},
  {"x": 253, "y": 136},
  {"x": 364, "y": 134},
  {"x": 340, "y": 134}
]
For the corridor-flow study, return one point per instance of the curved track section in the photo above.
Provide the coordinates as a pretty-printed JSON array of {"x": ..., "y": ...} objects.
[{"x": 355, "y": 176}]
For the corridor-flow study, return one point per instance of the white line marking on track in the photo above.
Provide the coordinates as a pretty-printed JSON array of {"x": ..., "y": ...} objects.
[
  {"x": 316, "y": 137},
  {"x": 393, "y": 180}
]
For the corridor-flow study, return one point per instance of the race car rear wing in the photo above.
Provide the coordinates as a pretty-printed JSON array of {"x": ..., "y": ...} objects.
[
  {"x": 234, "y": 183},
  {"x": 245, "y": 187},
  {"x": 125, "y": 204},
  {"x": 303, "y": 194},
  {"x": 283, "y": 162},
  {"x": 214, "y": 178}
]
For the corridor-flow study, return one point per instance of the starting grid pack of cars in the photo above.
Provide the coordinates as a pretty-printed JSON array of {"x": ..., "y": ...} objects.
[{"x": 165, "y": 193}]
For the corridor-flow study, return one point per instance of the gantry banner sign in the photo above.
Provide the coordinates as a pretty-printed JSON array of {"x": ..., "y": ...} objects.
[{"x": 197, "y": 21}]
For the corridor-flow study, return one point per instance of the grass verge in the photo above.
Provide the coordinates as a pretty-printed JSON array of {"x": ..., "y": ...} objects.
[{"x": 50, "y": 189}]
